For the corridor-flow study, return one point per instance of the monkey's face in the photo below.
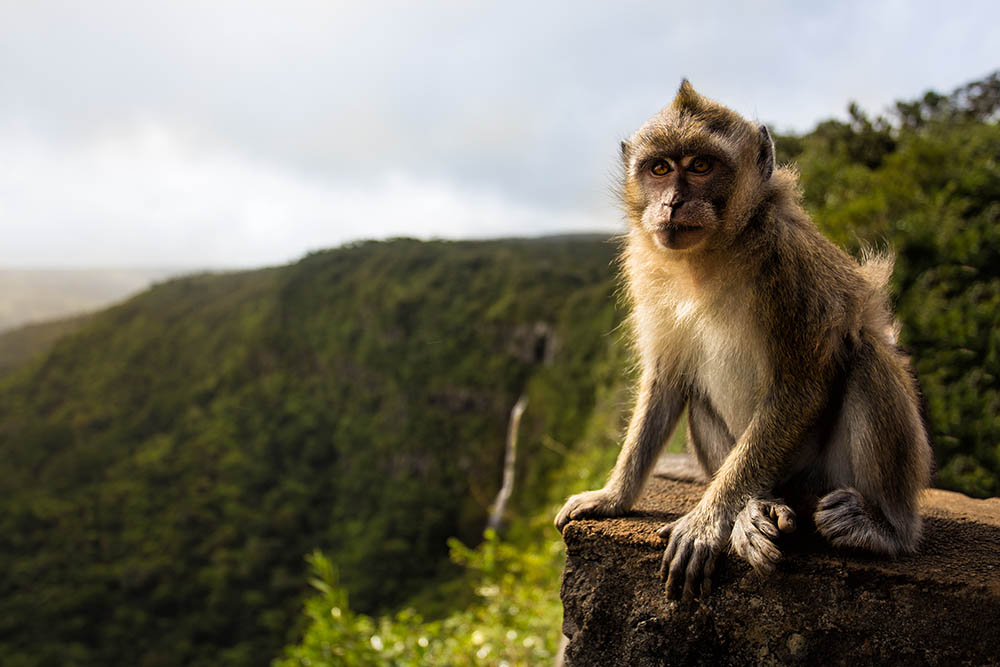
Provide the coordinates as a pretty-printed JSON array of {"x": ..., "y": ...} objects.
[
  {"x": 683, "y": 197},
  {"x": 695, "y": 172}
]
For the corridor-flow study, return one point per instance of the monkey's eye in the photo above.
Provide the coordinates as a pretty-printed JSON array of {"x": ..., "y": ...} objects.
[
  {"x": 700, "y": 165},
  {"x": 660, "y": 168}
]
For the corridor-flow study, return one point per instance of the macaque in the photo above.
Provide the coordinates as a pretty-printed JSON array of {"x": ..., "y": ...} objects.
[{"x": 780, "y": 346}]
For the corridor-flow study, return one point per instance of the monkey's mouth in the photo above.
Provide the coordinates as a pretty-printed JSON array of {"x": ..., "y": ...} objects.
[{"x": 679, "y": 236}]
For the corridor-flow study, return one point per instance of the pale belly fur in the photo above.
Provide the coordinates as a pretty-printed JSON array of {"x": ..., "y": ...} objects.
[{"x": 724, "y": 357}]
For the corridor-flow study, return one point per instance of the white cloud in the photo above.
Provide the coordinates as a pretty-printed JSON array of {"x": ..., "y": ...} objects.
[
  {"x": 284, "y": 126},
  {"x": 137, "y": 197}
]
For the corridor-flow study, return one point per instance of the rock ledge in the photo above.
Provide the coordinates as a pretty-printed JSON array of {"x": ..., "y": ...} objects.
[{"x": 821, "y": 607}]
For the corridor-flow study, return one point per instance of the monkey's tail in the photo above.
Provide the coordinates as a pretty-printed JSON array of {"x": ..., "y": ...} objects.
[{"x": 876, "y": 269}]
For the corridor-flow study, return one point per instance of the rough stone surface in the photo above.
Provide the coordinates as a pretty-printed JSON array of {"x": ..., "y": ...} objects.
[{"x": 821, "y": 607}]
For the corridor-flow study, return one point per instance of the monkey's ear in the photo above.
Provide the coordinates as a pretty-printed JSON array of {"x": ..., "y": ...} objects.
[
  {"x": 765, "y": 154},
  {"x": 626, "y": 152}
]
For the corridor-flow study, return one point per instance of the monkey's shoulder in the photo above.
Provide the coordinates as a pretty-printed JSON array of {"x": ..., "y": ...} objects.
[{"x": 807, "y": 287}]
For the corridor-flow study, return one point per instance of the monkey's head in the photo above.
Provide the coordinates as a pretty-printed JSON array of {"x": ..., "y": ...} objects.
[{"x": 695, "y": 172}]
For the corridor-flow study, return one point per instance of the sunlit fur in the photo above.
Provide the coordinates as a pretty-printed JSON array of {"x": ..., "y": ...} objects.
[{"x": 781, "y": 346}]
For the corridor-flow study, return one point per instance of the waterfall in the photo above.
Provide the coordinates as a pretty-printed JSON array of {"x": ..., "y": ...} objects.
[{"x": 509, "y": 465}]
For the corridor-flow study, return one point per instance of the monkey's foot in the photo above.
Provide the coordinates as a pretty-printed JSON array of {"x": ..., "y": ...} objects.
[
  {"x": 756, "y": 527},
  {"x": 597, "y": 503},
  {"x": 846, "y": 519}
]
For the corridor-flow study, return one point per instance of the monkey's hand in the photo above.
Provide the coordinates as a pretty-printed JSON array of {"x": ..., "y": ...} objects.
[
  {"x": 694, "y": 543},
  {"x": 601, "y": 502}
]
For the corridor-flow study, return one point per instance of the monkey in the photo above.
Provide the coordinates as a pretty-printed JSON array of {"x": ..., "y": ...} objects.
[{"x": 778, "y": 344}]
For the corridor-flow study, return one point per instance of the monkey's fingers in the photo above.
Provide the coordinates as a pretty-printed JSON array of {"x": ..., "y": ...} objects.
[
  {"x": 763, "y": 554},
  {"x": 561, "y": 519},
  {"x": 784, "y": 516},
  {"x": 706, "y": 581},
  {"x": 753, "y": 535},
  {"x": 695, "y": 572},
  {"x": 764, "y": 524},
  {"x": 582, "y": 505},
  {"x": 664, "y": 530},
  {"x": 678, "y": 570},
  {"x": 572, "y": 510},
  {"x": 668, "y": 556}
]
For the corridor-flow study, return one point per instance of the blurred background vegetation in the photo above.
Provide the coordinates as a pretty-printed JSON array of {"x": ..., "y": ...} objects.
[{"x": 181, "y": 473}]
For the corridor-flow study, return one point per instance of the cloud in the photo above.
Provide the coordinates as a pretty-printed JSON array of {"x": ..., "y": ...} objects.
[
  {"x": 301, "y": 109},
  {"x": 138, "y": 197}
]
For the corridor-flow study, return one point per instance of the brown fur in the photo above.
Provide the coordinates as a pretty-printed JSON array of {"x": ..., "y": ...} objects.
[{"x": 779, "y": 343}]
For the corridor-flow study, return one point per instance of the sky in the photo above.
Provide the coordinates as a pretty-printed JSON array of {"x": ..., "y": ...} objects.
[{"x": 217, "y": 134}]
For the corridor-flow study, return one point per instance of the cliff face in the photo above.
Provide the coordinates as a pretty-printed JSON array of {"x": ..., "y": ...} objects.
[{"x": 821, "y": 606}]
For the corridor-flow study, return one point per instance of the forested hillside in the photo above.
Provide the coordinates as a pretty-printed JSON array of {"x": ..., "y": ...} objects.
[
  {"x": 37, "y": 296},
  {"x": 20, "y": 344},
  {"x": 167, "y": 468},
  {"x": 169, "y": 464}
]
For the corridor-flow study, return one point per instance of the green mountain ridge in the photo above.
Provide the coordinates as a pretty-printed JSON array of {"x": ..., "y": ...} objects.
[
  {"x": 170, "y": 463},
  {"x": 20, "y": 344},
  {"x": 33, "y": 296}
]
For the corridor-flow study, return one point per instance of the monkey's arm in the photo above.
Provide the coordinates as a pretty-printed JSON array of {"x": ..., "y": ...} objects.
[
  {"x": 751, "y": 470},
  {"x": 656, "y": 413}
]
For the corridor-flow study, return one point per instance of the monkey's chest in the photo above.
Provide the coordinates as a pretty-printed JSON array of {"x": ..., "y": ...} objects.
[{"x": 729, "y": 369}]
